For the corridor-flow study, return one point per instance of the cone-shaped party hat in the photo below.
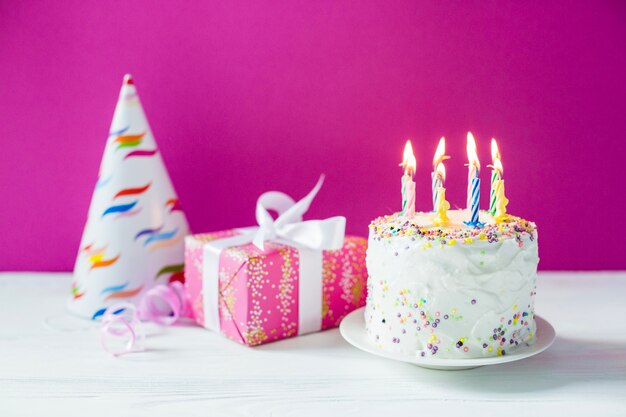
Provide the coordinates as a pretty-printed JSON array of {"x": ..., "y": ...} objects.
[{"x": 134, "y": 234}]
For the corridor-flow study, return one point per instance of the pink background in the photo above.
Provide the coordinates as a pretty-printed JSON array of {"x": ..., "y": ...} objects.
[{"x": 246, "y": 97}]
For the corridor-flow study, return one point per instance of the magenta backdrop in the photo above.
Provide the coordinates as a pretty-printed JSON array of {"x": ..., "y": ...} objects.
[{"x": 246, "y": 97}]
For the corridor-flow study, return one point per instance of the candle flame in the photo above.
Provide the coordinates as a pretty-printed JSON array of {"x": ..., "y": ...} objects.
[
  {"x": 440, "y": 153},
  {"x": 495, "y": 152},
  {"x": 472, "y": 155},
  {"x": 441, "y": 171},
  {"x": 495, "y": 156},
  {"x": 408, "y": 161}
]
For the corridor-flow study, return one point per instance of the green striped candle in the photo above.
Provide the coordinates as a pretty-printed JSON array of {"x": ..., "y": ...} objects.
[{"x": 496, "y": 175}]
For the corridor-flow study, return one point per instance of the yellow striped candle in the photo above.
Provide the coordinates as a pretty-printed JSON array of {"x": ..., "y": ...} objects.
[
  {"x": 441, "y": 208},
  {"x": 501, "y": 202}
]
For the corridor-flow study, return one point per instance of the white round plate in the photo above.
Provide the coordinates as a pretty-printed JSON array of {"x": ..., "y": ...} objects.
[{"x": 352, "y": 329}]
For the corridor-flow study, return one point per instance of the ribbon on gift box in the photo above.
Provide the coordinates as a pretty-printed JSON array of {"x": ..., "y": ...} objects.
[{"x": 309, "y": 237}]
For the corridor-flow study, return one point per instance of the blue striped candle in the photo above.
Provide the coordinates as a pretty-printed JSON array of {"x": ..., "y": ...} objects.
[
  {"x": 473, "y": 183},
  {"x": 475, "y": 201}
]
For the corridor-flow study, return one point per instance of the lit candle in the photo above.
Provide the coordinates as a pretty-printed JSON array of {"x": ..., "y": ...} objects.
[
  {"x": 496, "y": 175},
  {"x": 498, "y": 199},
  {"x": 441, "y": 212},
  {"x": 473, "y": 182},
  {"x": 441, "y": 205},
  {"x": 408, "y": 185},
  {"x": 438, "y": 169},
  {"x": 501, "y": 203}
]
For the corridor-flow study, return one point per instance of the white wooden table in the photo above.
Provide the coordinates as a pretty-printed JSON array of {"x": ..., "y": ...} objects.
[{"x": 51, "y": 364}]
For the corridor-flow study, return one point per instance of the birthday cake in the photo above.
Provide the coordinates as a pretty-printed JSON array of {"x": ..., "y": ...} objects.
[{"x": 454, "y": 291}]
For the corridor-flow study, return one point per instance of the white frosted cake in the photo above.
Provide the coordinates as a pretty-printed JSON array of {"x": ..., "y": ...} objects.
[{"x": 452, "y": 291}]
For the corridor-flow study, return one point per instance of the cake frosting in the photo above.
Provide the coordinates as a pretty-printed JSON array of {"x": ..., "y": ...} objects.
[{"x": 452, "y": 291}]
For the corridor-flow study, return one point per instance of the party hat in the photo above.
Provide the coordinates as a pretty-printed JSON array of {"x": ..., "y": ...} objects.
[{"x": 134, "y": 234}]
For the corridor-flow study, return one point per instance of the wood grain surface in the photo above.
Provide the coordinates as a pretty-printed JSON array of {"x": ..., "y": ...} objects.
[{"x": 51, "y": 364}]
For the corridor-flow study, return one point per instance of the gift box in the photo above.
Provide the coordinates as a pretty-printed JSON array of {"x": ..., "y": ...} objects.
[{"x": 279, "y": 280}]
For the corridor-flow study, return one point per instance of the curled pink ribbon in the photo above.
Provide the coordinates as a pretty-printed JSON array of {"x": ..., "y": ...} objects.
[
  {"x": 164, "y": 304},
  {"x": 122, "y": 322}
]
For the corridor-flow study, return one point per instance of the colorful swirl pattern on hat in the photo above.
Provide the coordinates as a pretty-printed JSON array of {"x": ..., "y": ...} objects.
[
  {"x": 101, "y": 311},
  {"x": 132, "y": 191},
  {"x": 120, "y": 208},
  {"x": 103, "y": 181},
  {"x": 76, "y": 293},
  {"x": 90, "y": 249},
  {"x": 160, "y": 236},
  {"x": 133, "y": 240},
  {"x": 140, "y": 152},
  {"x": 129, "y": 141},
  {"x": 129, "y": 213},
  {"x": 145, "y": 232},
  {"x": 98, "y": 261},
  {"x": 124, "y": 293},
  {"x": 118, "y": 132},
  {"x": 167, "y": 243},
  {"x": 170, "y": 269},
  {"x": 177, "y": 272},
  {"x": 114, "y": 288},
  {"x": 174, "y": 205}
]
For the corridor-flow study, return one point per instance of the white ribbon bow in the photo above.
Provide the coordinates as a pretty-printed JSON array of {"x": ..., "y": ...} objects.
[{"x": 324, "y": 234}]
